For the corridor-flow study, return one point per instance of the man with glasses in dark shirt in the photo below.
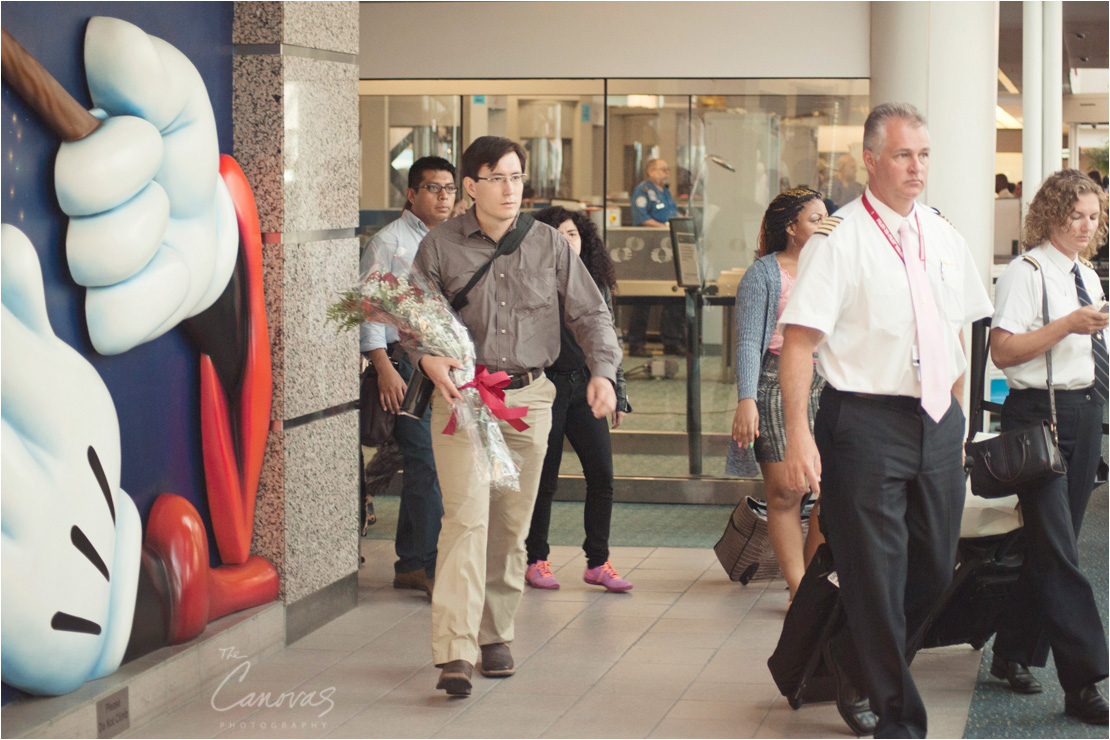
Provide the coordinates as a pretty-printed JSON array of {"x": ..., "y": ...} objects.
[{"x": 513, "y": 315}]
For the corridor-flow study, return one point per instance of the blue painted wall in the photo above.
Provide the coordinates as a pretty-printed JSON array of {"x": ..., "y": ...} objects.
[{"x": 154, "y": 386}]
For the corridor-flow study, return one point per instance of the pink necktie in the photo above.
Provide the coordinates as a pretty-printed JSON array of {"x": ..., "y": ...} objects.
[{"x": 936, "y": 391}]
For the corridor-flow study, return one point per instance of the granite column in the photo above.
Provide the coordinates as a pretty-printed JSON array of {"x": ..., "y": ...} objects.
[{"x": 296, "y": 136}]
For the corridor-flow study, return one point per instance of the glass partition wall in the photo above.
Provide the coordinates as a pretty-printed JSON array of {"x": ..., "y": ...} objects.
[
  {"x": 730, "y": 146},
  {"x": 561, "y": 124}
]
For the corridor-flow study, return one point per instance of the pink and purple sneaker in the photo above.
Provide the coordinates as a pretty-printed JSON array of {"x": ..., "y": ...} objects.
[
  {"x": 605, "y": 575},
  {"x": 539, "y": 575}
]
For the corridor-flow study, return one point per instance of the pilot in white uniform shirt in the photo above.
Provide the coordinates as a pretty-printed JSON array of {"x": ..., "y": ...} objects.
[
  {"x": 853, "y": 288},
  {"x": 1018, "y": 295}
]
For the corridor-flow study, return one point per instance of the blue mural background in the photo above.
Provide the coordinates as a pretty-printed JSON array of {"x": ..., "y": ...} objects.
[{"x": 154, "y": 386}]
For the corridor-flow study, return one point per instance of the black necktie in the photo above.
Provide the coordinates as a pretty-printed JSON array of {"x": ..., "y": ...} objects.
[{"x": 1098, "y": 339}]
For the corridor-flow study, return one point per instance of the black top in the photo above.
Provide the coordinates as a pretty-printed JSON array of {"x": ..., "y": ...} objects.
[{"x": 572, "y": 359}]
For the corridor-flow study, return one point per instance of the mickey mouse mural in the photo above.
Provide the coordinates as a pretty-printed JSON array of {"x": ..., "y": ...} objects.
[
  {"x": 71, "y": 536},
  {"x": 162, "y": 232}
]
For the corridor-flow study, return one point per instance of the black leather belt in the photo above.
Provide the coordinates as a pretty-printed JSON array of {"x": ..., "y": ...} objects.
[
  {"x": 1042, "y": 393},
  {"x": 905, "y": 403},
  {"x": 523, "y": 379}
]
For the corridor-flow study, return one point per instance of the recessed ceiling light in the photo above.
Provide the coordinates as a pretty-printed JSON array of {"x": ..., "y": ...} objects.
[
  {"x": 1004, "y": 119},
  {"x": 1007, "y": 83}
]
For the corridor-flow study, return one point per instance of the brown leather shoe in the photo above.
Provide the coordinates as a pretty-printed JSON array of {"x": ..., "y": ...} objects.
[
  {"x": 414, "y": 579},
  {"x": 455, "y": 678},
  {"x": 1016, "y": 674},
  {"x": 497, "y": 661}
]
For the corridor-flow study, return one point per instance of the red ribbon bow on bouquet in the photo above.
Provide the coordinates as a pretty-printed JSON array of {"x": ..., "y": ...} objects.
[{"x": 490, "y": 387}]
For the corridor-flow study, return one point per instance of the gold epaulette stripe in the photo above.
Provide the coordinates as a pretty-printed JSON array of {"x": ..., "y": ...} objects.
[
  {"x": 936, "y": 211},
  {"x": 828, "y": 225}
]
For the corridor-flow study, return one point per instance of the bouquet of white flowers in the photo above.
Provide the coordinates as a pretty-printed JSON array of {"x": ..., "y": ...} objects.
[{"x": 424, "y": 319}]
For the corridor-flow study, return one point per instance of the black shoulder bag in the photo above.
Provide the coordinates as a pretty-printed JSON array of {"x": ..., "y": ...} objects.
[
  {"x": 419, "y": 391},
  {"x": 375, "y": 423},
  {"x": 1022, "y": 459}
]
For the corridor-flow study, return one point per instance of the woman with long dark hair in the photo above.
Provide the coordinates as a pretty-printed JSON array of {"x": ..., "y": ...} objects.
[
  {"x": 1056, "y": 606},
  {"x": 571, "y": 417},
  {"x": 758, "y": 429}
]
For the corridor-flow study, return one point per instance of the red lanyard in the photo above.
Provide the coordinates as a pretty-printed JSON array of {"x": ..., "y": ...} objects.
[{"x": 890, "y": 237}]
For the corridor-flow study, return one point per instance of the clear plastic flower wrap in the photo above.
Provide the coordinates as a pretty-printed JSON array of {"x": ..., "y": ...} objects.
[{"x": 396, "y": 295}]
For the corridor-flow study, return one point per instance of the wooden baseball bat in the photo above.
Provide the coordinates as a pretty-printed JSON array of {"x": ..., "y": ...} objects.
[{"x": 38, "y": 88}]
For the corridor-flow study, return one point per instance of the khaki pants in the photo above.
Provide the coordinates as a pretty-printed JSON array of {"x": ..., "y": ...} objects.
[{"x": 481, "y": 563}]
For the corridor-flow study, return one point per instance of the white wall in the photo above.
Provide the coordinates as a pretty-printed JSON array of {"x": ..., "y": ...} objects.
[
  {"x": 435, "y": 40},
  {"x": 963, "y": 91},
  {"x": 913, "y": 61}
]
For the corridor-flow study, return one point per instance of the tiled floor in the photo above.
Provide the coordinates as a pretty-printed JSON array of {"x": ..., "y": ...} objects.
[{"x": 682, "y": 655}]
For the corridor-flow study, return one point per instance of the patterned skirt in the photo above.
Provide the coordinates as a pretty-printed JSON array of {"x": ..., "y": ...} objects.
[{"x": 770, "y": 445}]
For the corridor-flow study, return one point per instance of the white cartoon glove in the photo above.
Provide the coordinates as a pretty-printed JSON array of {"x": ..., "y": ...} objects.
[
  {"x": 70, "y": 551},
  {"x": 152, "y": 233}
]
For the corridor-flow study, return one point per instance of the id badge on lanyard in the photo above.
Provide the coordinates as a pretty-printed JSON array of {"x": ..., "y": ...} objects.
[{"x": 915, "y": 354}]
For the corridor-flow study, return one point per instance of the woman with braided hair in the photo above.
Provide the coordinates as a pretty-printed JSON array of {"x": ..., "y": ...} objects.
[{"x": 758, "y": 429}]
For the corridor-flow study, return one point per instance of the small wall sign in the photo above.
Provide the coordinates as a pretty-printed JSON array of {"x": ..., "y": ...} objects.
[{"x": 113, "y": 714}]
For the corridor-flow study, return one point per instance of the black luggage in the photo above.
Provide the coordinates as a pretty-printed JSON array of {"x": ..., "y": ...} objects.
[
  {"x": 987, "y": 567},
  {"x": 797, "y": 665},
  {"x": 982, "y": 590}
]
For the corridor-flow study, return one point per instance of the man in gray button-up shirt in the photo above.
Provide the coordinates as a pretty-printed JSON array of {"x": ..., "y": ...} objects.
[{"x": 513, "y": 315}]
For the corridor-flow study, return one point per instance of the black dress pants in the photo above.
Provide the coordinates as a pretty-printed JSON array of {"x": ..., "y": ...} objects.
[
  {"x": 892, "y": 492},
  {"x": 571, "y": 416},
  {"x": 1055, "y": 604}
]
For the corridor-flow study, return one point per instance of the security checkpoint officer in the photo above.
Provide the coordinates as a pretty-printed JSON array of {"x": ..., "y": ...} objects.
[
  {"x": 653, "y": 205},
  {"x": 652, "y": 202},
  {"x": 883, "y": 291}
]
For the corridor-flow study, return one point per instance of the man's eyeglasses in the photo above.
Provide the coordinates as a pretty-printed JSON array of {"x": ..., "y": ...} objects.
[
  {"x": 434, "y": 188},
  {"x": 502, "y": 179}
]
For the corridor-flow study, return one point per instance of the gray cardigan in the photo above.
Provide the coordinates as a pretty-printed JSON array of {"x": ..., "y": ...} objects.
[{"x": 757, "y": 305}]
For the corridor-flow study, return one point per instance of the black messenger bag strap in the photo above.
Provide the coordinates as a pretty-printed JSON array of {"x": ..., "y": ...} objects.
[
  {"x": 1048, "y": 352},
  {"x": 508, "y": 244},
  {"x": 980, "y": 404}
]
